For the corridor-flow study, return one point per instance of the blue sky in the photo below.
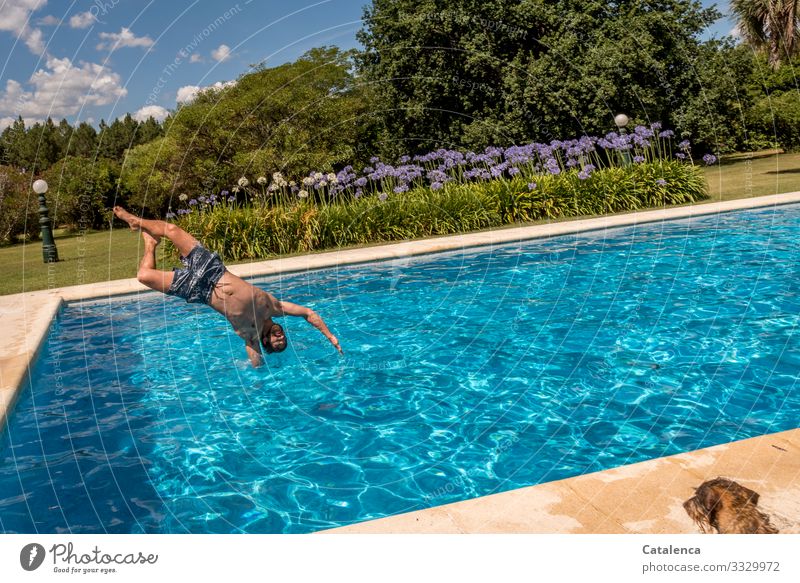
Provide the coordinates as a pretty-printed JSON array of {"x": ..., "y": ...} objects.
[{"x": 99, "y": 59}]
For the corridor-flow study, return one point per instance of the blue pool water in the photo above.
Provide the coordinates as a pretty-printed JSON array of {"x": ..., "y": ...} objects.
[{"x": 464, "y": 374}]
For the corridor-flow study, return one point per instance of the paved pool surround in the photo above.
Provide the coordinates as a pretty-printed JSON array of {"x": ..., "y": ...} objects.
[{"x": 645, "y": 497}]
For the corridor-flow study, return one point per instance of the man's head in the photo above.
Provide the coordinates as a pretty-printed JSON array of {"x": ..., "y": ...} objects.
[{"x": 273, "y": 339}]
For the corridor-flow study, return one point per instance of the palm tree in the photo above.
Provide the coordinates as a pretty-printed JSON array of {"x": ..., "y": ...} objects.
[{"x": 773, "y": 25}]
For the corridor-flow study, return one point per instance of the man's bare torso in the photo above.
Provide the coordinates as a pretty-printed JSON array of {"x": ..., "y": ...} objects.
[{"x": 245, "y": 306}]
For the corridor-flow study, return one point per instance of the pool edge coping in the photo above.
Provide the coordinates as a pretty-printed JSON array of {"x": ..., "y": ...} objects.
[{"x": 29, "y": 328}]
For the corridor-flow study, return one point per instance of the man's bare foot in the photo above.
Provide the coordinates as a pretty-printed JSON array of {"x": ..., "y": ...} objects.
[
  {"x": 149, "y": 239},
  {"x": 133, "y": 221}
]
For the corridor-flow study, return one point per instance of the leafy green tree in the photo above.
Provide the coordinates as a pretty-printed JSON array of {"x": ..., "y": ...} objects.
[
  {"x": 114, "y": 139},
  {"x": 716, "y": 116},
  {"x": 84, "y": 141},
  {"x": 471, "y": 73},
  {"x": 770, "y": 25},
  {"x": 152, "y": 175},
  {"x": 148, "y": 131},
  {"x": 309, "y": 114},
  {"x": 80, "y": 191}
]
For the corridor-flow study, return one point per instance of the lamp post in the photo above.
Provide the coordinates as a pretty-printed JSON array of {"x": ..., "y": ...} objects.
[
  {"x": 621, "y": 120},
  {"x": 49, "y": 251}
]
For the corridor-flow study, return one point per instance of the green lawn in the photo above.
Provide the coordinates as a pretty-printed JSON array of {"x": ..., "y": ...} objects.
[{"x": 105, "y": 255}]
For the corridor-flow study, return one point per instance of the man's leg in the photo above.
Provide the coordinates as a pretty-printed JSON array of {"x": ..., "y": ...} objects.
[
  {"x": 148, "y": 274},
  {"x": 157, "y": 229}
]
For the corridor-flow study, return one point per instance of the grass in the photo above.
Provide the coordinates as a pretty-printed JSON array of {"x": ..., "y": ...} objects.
[{"x": 107, "y": 255}]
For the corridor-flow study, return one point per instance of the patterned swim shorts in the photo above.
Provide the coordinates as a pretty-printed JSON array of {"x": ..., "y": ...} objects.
[{"x": 203, "y": 269}]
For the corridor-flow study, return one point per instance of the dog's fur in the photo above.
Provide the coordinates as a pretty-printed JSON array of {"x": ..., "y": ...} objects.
[{"x": 726, "y": 507}]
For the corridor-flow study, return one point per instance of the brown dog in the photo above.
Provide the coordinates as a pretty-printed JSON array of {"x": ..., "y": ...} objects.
[{"x": 726, "y": 507}]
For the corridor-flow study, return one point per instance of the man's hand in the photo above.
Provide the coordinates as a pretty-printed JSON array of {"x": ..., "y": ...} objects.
[{"x": 335, "y": 343}]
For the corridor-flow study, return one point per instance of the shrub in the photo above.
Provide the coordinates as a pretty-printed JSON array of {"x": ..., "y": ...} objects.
[
  {"x": 254, "y": 232},
  {"x": 18, "y": 206},
  {"x": 778, "y": 117}
]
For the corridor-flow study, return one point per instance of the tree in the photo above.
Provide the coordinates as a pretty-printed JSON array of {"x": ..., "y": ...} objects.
[
  {"x": 470, "y": 73},
  {"x": 80, "y": 191},
  {"x": 311, "y": 114},
  {"x": 770, "y": 25},
  {"x": 84, "y": 141}
]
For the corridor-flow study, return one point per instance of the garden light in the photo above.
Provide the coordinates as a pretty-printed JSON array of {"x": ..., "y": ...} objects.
[{"x": 49, "y": 251}]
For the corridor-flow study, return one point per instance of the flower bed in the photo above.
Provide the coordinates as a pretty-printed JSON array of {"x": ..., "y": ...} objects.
[{"x": 446, "y": 192}]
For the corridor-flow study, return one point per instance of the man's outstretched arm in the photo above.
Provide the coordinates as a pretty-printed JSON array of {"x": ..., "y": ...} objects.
[{"x": 290, "y": 309}]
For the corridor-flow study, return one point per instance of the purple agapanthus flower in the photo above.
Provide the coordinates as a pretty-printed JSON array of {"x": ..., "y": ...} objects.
[
  {"x": 638, "y": 159},
  {"x": 183, "y": 211},
  {"x": 383, "y": 196},
  {"x": 666, "y": 134},
  {"x": 400, "y": 189},
  {"x": 436, "y": 186},
  {"x": 531, "y": 186},
  {"x": 192, "y": 202},
  {"x": 680, "y": 156},
  {"x": 170, "y": 215},
  {"x": 513, "y": 171},
  {"x": 358, "y": 193},
  {"x": 709, "y": 159},
  {"x": 661, "y": 182},
  {"x": 224, "y": 193},
  {"x": 684, "y": 145},
  {"x": 583, "y": 174},
  {"x": 231, "y": 199}
]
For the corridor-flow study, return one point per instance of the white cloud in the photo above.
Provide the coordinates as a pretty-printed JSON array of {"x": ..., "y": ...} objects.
[
  {"x": 221, "y": 53},
  {"x": 61, "y": 89},
  {"x": 188, "y": 93},
  {"x": 15, "y": 19},
  {"x": 49, "y": 20},
  {"x": 35, "y": 42},
  {"x": 82, "y": 20},
  {"x": 735, "y": 32},
  {"x": 155, "y": 111},
  {"x": 196, "y": 58},
  {"x": 123, "y": 38}
]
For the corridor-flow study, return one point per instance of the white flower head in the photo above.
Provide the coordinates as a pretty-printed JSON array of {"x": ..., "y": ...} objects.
[
  {"x": 308, "y": 181},
  {"x": 318, "y": 176},
  {"x": 262, "y": 180},
  {"x": 273, "y": 187},
  {"x": 292, "y": 183},
  {"x": 323, "y": 183},
  {"x": 302, "y": 194},
  {"x": 277, "y": 176},
  {"x": 332, "y": 177},
  {"x": 243, "y": 182},
  {"x": 235, "y": 189},
  {"x": 183, "y": 197}
]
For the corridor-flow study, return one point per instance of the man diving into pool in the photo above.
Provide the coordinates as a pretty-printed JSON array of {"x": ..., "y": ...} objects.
[{"x": 204, "y": 279}]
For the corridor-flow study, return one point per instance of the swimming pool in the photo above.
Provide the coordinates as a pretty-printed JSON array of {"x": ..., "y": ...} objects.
[{"x": 465, "y": 374}]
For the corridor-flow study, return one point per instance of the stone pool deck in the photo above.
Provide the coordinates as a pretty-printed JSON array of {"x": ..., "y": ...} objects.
[{"x": 583, "y": 504}]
